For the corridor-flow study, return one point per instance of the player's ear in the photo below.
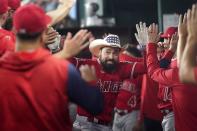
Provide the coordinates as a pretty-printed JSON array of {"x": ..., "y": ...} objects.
[{"x": 100, "y": 51}]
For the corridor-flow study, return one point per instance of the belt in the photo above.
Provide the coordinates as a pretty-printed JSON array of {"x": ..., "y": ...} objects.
[
  {"x": 97, "y": 121},
  {"x": 121, "y": 112},
  {"x": 166, "y": 111},
  {"x": 93, "y": 120}
]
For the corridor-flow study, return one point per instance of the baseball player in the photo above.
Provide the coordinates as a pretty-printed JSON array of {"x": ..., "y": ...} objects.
[
  {"x": 110, "y": 73},
  {"x": 127, "y": 105},
  {"x": 164, "y": 93},
  {"x": 36, "y": 87},
  {"x": 128, "y": 100},
  {"x": 51, "y": 37},
  {"x": 185, "y": 116}
]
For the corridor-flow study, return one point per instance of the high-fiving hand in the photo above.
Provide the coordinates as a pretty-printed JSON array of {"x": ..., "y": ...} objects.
[
  {"x": 192, "y": 22},
  {"x": 153, "y": 34},
  {"x": 142, "y": 34}
]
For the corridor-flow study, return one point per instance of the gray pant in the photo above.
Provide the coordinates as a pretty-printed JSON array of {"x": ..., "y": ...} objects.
[
  {"x": 82, "y": 124},
  {"x": 168, "y": 122},
  {"x": 125, "y": 122}
]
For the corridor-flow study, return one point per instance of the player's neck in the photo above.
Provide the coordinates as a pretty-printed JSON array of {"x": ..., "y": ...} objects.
[{"x": 25, "y": 46}]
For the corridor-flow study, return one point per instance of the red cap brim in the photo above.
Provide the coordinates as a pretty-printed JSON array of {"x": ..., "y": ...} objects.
[{"x": 164, "y": 36}]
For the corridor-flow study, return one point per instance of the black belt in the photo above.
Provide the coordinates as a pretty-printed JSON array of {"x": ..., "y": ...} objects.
[
  {"x": 97, "y": 121},
  {"x": 166, "y": 111},
  {"x": 121, "y": 112}
]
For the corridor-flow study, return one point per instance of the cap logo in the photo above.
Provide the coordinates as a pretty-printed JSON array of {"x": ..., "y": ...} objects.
[{"x": 22, "y": 31}]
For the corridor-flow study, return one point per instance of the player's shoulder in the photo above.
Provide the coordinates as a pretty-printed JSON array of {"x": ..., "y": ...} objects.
[
  {"x": 87, "y": 61},
  {"x": 126, "y": 63}
]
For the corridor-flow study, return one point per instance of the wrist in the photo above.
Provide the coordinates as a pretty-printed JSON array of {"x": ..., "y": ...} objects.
[
  {"x": 182, "y": 35},
  {"x": 192, "y": 39}
]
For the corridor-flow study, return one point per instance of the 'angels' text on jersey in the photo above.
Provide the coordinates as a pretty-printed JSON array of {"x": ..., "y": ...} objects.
[{"x": 109, "y": 86}]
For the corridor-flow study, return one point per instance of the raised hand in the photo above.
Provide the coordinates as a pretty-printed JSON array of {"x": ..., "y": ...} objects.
[
  {"x": 192, "y": 22},
  {"x": 88, "y": 73},
  {"x": 173, "y": 42},
  {"x": 142, "y": 34},
  {"x": 50, "y": 36},
  {"x": 153, "y": 35},
  {"x": 74, "y": 45}
]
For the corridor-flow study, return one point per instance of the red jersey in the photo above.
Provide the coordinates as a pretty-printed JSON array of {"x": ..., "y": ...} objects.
[
  {"x": 124, "y": 57},
  {"x": 165, "y": 92},
  {"x": 149, "y": 99},
  {"x": 109, "y": 84},
  {"x": 183, "y": 96},
  {"x": 149, "y": 90},
  {"x": 7, "y": 41},
  {"x": 25, "y": 103},
  {"x": 129, "y": 95}
]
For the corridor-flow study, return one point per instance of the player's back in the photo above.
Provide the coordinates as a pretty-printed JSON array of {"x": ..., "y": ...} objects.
[{"x": 33, "y": 92}]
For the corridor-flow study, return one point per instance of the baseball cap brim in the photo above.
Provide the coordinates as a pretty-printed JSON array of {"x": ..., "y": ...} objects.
[{"x": 165, "y": 36}]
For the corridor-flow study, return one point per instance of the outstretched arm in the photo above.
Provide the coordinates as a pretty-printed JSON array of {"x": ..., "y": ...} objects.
[
  {"x": 73, "y": 45},
  {"x": 160, "y": 75},
  {"x": 188, "y": 70},
  {"x": 61, "y": 11},
  {"x": 87, "y": 96}
]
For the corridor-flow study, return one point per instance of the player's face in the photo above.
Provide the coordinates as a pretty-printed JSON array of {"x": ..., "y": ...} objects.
[
  {"x": 166, "y": 43},
  {"x": 109, "y": 58}
]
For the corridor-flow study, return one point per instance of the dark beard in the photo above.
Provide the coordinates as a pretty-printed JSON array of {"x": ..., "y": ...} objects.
[
  {"x": 109, "y": 68},
  {"x": 8, "y": 24}
]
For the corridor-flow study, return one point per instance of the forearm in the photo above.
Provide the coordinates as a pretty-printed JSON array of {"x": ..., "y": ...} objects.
[
  {"x": 156, "y": 73},
  {"x": 188, "y": 61},
  {"x": 61, "y": 12},
  {"x": 62, "y": 55}
]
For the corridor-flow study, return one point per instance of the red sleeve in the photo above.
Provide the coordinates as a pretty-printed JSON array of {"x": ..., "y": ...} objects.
[
  {"x": 139, "y": 68},
  {"x": 73, "y": 61},
  {"x": 124, "y": 57},
  {"x": 160, "y": 75},
  {"x": 77, "y": 62},
  {"x": 168, "y": 54}
]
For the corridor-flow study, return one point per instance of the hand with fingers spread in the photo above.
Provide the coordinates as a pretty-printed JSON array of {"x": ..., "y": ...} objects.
[
  {"x": 142, "y": 34},
  {"x": 182, "y": 32},
  {"x": 50, "y": 36},
  {"x": 88, "y": 73},
  {"x": 74, "y": 45},
  {"x": 173, "y": 42},
  {"x": 52, "y": 39},
  {"x": 61, "y": 12},
  {"x": 192, "y": 22},
  {"x": 153, "y": 33}
]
